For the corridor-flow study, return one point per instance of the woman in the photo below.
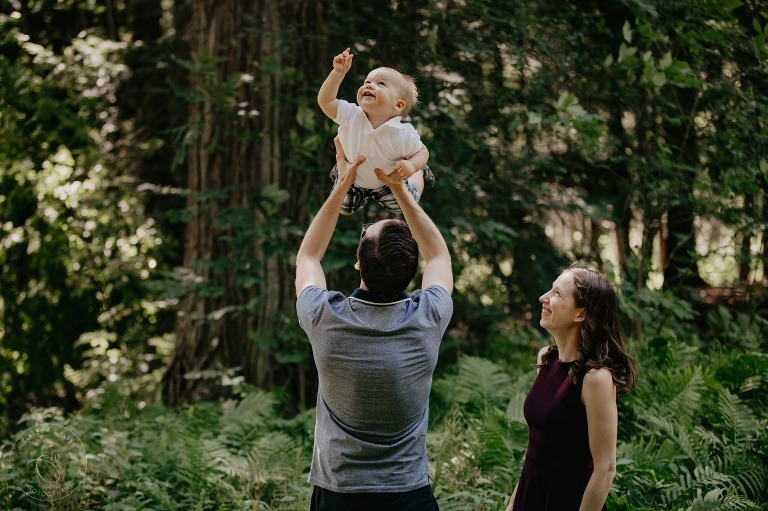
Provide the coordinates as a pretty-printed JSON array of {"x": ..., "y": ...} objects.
[{"x": 571, "y": 407}]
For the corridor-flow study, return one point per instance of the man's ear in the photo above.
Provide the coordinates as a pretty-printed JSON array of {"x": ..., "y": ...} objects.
[
  {"x": 357, "y": 265},
  {"x": 581, "y": 315}
]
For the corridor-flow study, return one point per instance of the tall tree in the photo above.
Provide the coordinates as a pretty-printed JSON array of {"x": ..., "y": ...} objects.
[{"x": 248, "y": 181}]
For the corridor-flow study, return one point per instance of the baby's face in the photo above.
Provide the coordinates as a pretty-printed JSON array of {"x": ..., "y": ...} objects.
[{"x": 380, "y": 93}]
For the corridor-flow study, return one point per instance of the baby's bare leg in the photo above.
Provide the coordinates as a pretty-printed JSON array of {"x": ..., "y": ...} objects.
[{"x": 417, "y": 180}]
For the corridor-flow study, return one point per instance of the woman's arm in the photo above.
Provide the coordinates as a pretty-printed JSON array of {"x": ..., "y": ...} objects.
[
  {"x": 512, "y": 500},
  {"x": 599, "y": 395}
]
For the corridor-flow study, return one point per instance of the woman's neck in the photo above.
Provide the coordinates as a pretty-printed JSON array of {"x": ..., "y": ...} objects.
[{"x": 567, "y": 348}]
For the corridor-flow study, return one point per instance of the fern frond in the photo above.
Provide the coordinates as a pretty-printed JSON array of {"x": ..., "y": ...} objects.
[
  {"x": 677, "y": 435},
  {"x": 478, "y": 381},
  {"x": 221, "y": 460},
  {"x": 515, "y": 411},
  {"x": 519, "y": 391},
  {"x": 721, "y": 488},
  {"x": 708, "y": 440},
  {"x": 680, "y": 393},
  {"x": 274, "y": 457},
  {"x": 719, "y": 500},
  {"x": 742, "y": 425},
  {"x": 248, "y": 418},
  {"x": 497, "y": 446},
  {"x": 750, "y": 478},
  {"x": 647, "y": 451}
]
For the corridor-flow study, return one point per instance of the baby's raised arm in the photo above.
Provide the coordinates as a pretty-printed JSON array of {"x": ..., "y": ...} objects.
[{"x": 326, "y": 97}]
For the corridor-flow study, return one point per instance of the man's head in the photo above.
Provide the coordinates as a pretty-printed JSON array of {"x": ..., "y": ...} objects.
[
  {"x": 388, "y": 257},
  {"x": 388, "y": 92}
]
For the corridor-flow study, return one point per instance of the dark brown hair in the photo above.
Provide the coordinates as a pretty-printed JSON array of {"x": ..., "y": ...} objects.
[
  {"x": 601, "y": 341},
  {"x": 388, "y": 262}
]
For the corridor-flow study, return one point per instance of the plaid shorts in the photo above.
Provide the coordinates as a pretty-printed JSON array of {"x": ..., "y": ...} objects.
[{"x": 357, "y": 196}]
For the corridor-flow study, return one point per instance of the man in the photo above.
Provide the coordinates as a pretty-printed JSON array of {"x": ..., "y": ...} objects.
[{"x": 375, "y": 353}]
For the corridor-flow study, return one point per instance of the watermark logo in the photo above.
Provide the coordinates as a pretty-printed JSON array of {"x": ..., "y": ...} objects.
[{"x": 48, "y": 462}]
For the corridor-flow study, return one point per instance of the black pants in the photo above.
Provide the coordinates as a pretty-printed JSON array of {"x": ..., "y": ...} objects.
[{"x": 421, "y": 499}]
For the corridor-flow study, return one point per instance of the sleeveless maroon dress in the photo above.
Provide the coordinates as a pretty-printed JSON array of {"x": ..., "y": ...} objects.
[{"x": 558, "y": 463}]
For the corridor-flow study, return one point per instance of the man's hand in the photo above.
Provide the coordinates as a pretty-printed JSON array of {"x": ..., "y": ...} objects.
[
  {"x": 405, "y": 169},
  {"x": 347, "y": 171},
  {"x": 389, "y": 180},
  {"x": 343, "y": 62}
]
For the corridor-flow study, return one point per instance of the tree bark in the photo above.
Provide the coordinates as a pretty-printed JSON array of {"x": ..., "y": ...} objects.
[
  {"x": 232, "y": 168},
  {"x": 681, "y": 271}
]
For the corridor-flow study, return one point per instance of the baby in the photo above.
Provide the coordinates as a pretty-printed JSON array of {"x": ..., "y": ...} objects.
[{"x": 373, "y": 128}]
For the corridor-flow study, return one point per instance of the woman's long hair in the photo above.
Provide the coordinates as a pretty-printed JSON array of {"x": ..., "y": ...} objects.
[{"x": 601, "y": 342}]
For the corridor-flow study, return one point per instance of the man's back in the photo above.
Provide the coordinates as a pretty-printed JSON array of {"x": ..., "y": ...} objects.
[{"x": 375, "y": 363}]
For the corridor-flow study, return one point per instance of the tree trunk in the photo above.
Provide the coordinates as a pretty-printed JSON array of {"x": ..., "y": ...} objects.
[
  {"x": 764, "y": 245},
  {"x": 681, "y": 271},
  {"x": 745, "y": 246},
  {"x": 244, "y": 292}
]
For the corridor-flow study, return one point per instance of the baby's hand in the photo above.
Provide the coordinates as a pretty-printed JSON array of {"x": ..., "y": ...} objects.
[
  {"x": 342, "y": 62},
  {"x": 405, "y": 169}
]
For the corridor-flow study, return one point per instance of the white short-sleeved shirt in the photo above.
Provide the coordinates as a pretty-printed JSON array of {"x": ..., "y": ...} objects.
[{"x": 382, "y": 147}]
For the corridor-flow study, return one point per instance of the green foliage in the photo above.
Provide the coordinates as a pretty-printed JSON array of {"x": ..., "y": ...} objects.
[
  {"x": 655, "y": 313},
  {"x": 697, "y": 438},
  {"x": 478, "y": 381},
  {"x": 234, "y": 455},
  {"x": 692, "y": 436},
  {"x": 77, "y": 246},
  {"x": 476, "y": 450}
]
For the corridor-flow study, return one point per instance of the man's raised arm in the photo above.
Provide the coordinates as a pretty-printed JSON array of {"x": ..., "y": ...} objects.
[
  {"x": 438, "y": 271},
  {"x": 309, "y": 271}
]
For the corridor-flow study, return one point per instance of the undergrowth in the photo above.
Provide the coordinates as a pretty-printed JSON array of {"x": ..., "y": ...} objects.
[{"x": 693, "y": 436}]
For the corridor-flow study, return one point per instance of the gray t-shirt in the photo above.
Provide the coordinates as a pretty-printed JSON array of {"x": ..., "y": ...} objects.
[{"x": 375, "y": 363}]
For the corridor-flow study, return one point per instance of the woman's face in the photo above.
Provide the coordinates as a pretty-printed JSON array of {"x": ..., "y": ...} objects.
[{"x": 559, "y": 312}]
